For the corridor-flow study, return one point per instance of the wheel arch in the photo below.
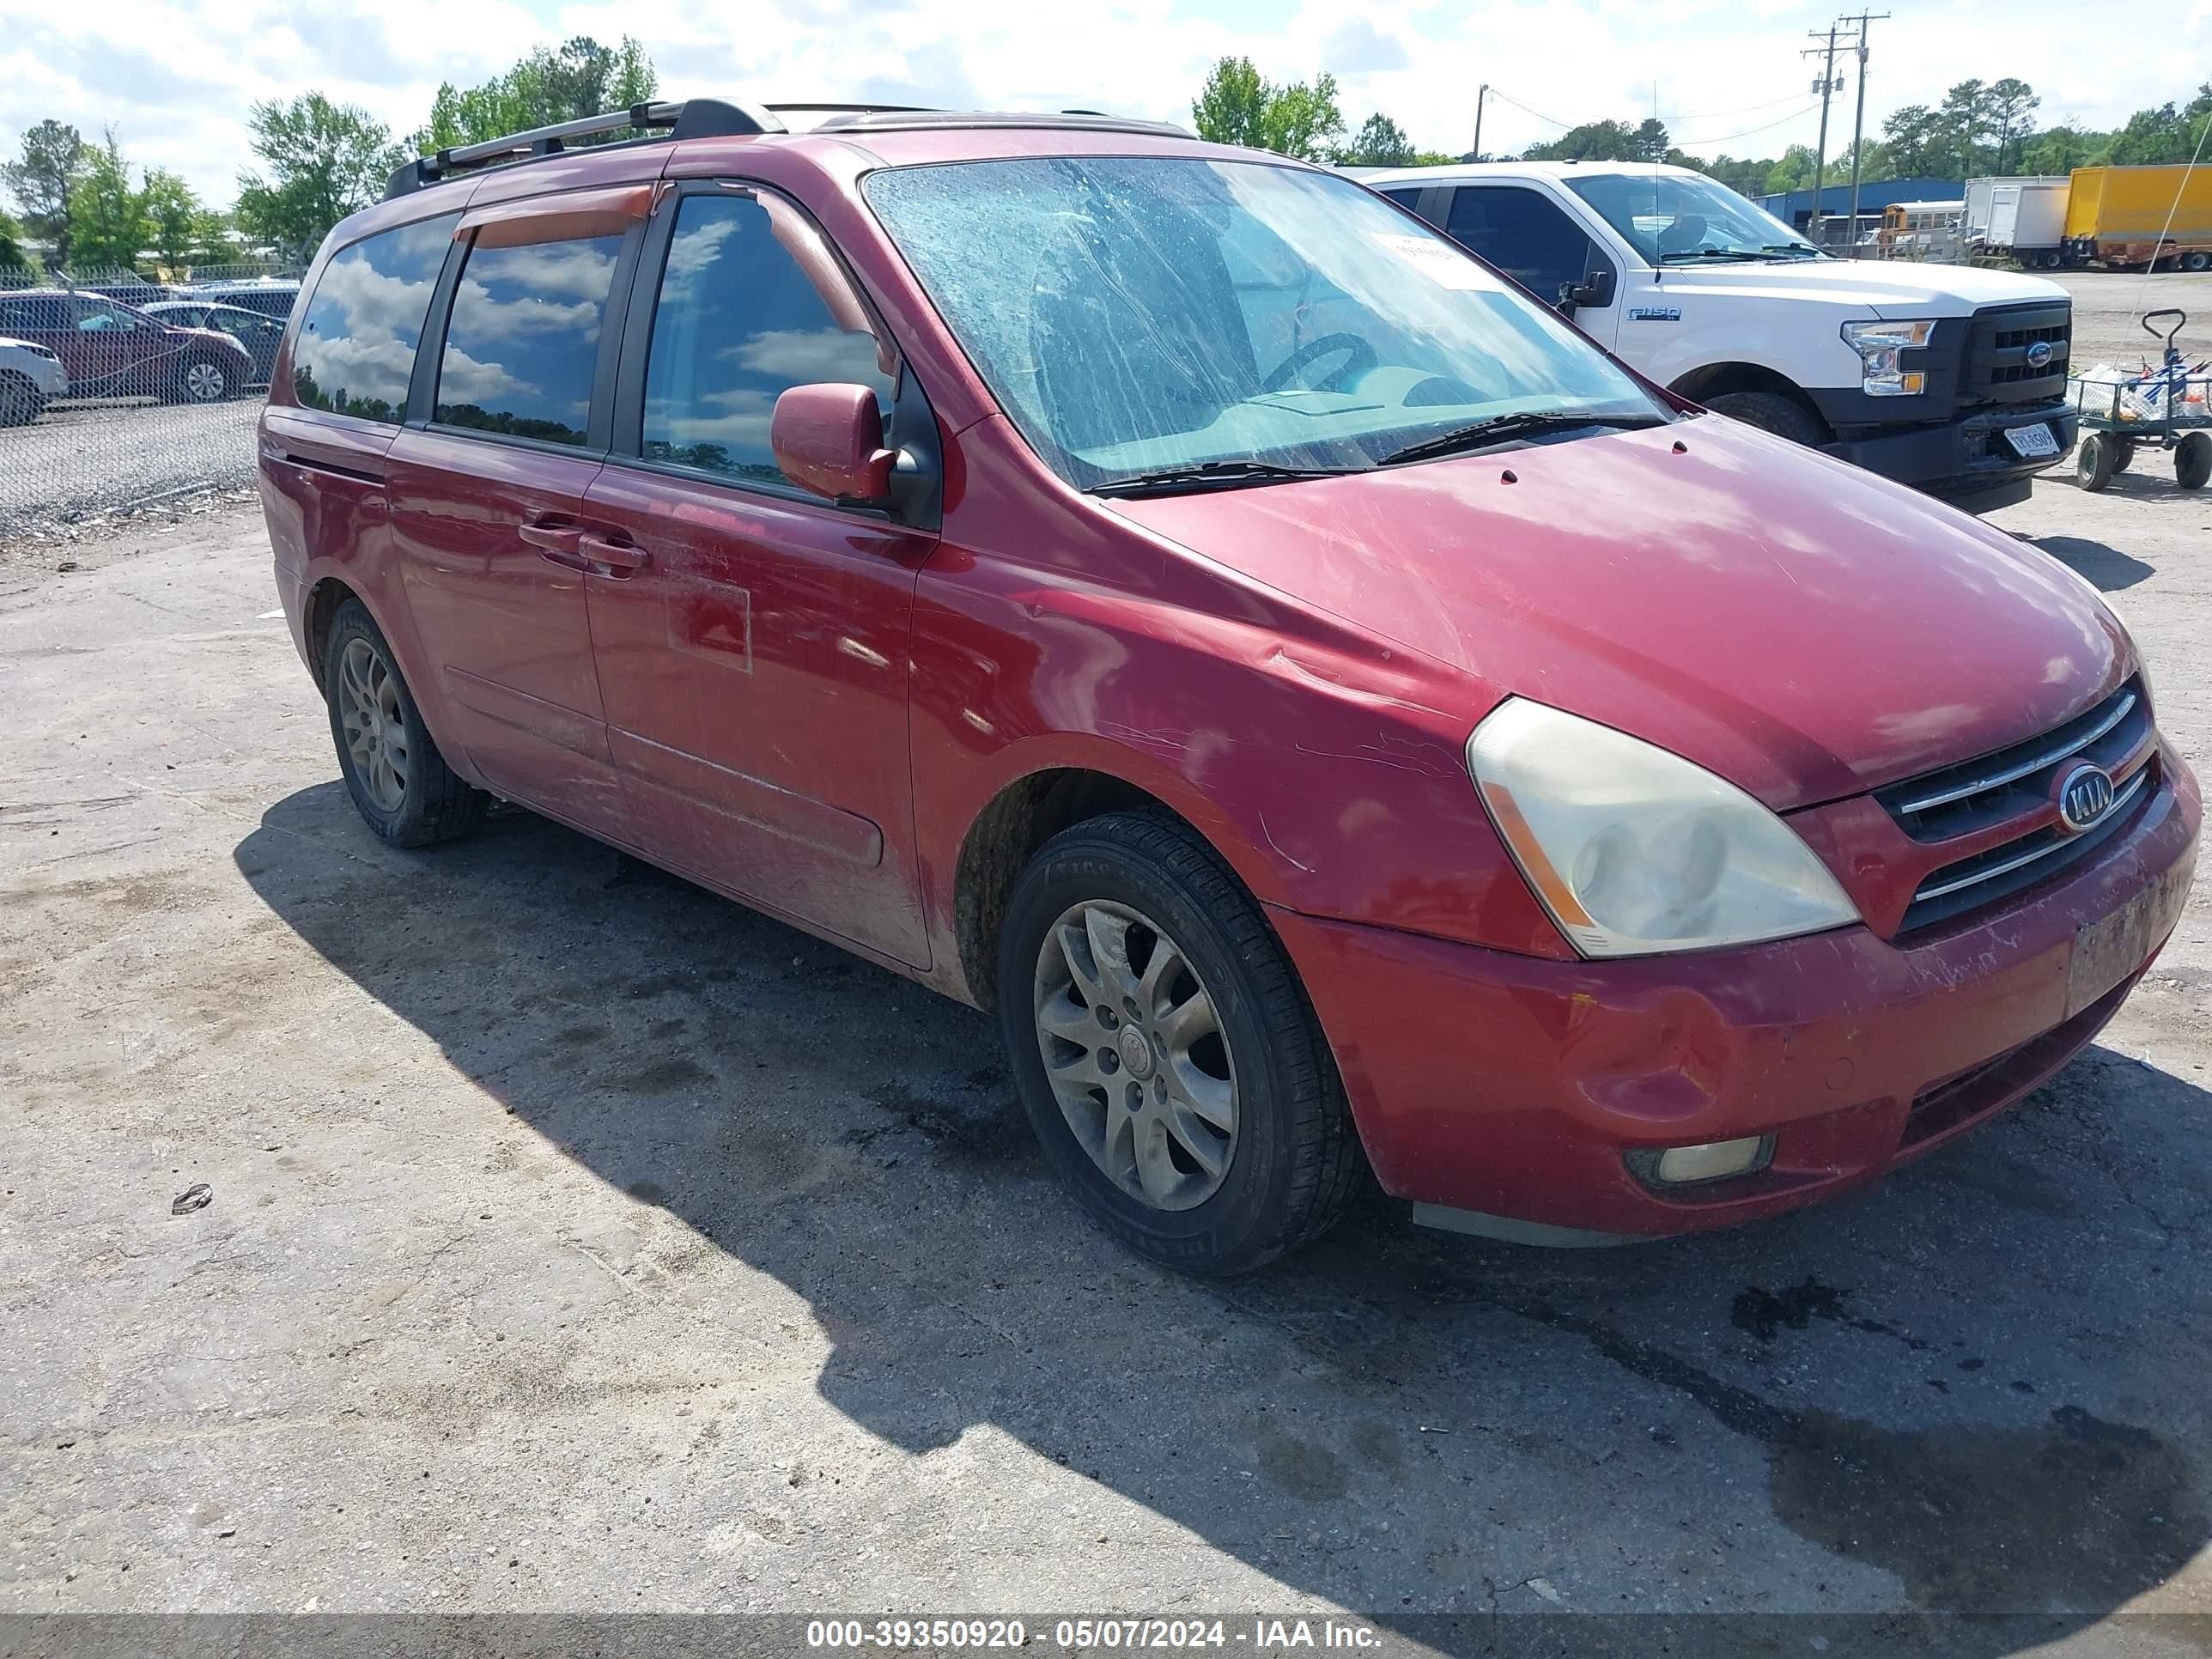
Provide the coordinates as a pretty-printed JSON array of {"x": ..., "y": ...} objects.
[
  {"x": 1004, "y": 834},
  {"x": 1714, "y": 381}
]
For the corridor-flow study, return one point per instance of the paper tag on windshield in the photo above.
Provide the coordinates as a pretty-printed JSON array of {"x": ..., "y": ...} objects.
[{"x": 1439, "y": 263}]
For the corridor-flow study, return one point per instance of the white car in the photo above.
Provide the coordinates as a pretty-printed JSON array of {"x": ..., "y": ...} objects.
[
  {"x": 1950, "y": 378},
  {"x": 31, "y": 377}
]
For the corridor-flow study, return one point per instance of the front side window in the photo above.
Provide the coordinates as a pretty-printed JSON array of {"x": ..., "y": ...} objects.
[
  {"x": 355, "y": 350},
  {"x": 1673, "y": 219},
  {"x": 101, "y": 320},
  {"x": 523, "y": 343},
  {"x": 751, "y": 304},
  {"x": 1524, "y": 234},
  {"x": 1142, "y": 314}
]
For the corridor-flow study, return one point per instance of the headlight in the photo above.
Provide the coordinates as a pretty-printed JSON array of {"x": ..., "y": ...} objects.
[
  {"x": 1634, "y": 851},
  {"x": 1881, "y": 373}
]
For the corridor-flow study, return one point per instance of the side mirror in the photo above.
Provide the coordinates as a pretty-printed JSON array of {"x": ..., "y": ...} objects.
[
  {"x": 1595, "y": 290},
  {"x": 829, "y": 439}
]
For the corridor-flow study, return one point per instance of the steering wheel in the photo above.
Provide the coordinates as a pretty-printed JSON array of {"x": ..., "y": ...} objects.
[{"x": 1358, "y": 358}]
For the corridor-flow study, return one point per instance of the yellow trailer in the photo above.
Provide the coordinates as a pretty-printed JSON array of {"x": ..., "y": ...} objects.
[{"x": 2134, "y": 216}]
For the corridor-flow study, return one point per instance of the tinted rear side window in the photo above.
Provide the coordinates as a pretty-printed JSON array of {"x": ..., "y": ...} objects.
[
  {"x": 523, "y": 343},
  {"x": 355, "y": 352},
  {"x": 751, "y": 304}
]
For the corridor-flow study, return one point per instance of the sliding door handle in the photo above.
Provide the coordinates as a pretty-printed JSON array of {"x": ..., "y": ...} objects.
[
  {"x": 551, "y": 538},
  {"x": 620, "y": 557}
]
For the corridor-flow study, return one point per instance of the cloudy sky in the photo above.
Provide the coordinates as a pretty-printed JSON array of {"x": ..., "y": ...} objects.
[{"x": 174, "y": 79}]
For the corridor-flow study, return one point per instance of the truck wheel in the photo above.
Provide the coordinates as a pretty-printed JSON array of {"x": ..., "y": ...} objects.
[
  {"x": 1770, "y": 411},
  {"x": 20, "y": 403},
  {"x": 2093, "y": 461},
  {"x": 1165, "y": 1052},
  {"x": 399, "y": 782},
  {"x": 2193, "y": 461},
  {"x": 2197, "y": 259}
]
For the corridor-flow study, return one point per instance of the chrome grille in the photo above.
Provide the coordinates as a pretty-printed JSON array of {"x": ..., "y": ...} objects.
[{"x": 1960, "y": 800}]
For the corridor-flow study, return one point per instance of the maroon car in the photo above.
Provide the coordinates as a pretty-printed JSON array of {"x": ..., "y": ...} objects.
[
  {"x": 113, "y": 350},
  {"x": 1334, "y": 713}
]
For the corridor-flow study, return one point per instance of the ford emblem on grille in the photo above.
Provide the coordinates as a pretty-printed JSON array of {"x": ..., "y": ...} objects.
[
  {"x": 2038, "y": 354},
  {"x": 2085, "y": 794}
]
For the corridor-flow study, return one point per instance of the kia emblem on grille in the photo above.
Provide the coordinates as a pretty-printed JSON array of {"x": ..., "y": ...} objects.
[
  {"x": 2085, "y": 794},
  {"x": 2038, "y": 354}
]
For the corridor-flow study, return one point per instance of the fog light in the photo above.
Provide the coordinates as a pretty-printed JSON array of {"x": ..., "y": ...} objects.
[{"x": 1709, "y": 1160}]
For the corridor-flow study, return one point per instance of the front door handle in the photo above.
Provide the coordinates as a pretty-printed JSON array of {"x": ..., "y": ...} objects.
[
  {"x": 559, "y": 542},
  {"x": 620, "y": 558}
]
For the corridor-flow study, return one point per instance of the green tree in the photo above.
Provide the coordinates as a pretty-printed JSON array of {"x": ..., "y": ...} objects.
[
  {"x": 1380, "y": 142},
  {"x": 581, "y": 77},
  {"x": 108, "y": 224},
  {"x": 1237, "y": 107},
  {"x": 174, "y": 213},
  {"x": 2059, "y": 149},
  {"x": 215, "y": 240},
  {"x": 1965, "y": 121},
  {"x": 1652, "y": 142},
  {"x": 1916, "y": 140},
  {"x": 43, "y": 179},
  {"x": 1593, "y": 141},
  {"x": 1793, "y": 170},
  {"x": 2166, "y": 134},
  {"x": 323, "y": 161},
  {"x": 2011, "y": 103},
  {"x": 1231, "y": 109},
  {"x": 14, "y": 256}
]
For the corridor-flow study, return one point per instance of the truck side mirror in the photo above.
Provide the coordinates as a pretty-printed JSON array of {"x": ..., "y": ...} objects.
[{"x": 1595, "y": 290}]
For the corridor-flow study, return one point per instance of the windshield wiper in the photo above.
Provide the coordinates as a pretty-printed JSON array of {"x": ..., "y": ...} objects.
[
  {"x": 1522, "y": 424},
  {"x": 1793, "y": 250},
  {"x": 1727, "y": 255},
  {"x": 1214, "y": 475}
]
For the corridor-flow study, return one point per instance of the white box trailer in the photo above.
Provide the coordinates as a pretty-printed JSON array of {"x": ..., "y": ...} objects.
[{"x": 2024, "y": 217}]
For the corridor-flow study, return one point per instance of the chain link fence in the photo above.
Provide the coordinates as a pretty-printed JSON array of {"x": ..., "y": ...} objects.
[{"x": 122, "y": 392}]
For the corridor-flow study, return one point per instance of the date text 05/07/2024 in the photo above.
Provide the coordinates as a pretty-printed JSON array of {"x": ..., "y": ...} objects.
[{"x": 1254, "y": 1635}]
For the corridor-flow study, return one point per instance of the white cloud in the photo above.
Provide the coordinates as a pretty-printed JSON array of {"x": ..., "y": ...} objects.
[{"x": 175, "y": 79}]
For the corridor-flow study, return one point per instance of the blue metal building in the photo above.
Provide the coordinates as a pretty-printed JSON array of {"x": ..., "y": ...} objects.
[{"x": 1794, "y": 208}]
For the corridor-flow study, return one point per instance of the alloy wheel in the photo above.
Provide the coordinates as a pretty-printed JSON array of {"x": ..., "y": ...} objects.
[
  {"x": 205, "y": 383},
  {"x": 375, "y": 729},
  {"x": 1135, "y": 1053}
]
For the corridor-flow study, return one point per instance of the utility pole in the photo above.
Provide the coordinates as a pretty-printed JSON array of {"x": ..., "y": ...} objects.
[
  {"x": 1480, "y": 93},
  {"x": 1858, "y": 120},
  {"x": 1825, "y": 85}
]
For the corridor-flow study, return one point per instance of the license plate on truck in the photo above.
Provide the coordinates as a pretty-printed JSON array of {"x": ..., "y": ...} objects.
[{"x": 2032, "y": 443}]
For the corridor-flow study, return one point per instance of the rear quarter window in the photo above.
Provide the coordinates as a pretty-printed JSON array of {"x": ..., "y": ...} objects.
[{"x": 355, "y": 352}]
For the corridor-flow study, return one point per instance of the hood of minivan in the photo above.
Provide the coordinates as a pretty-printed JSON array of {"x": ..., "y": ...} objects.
[
  {"x": 1806, "y": 629},
  {"x": 1893, "y": 287}
]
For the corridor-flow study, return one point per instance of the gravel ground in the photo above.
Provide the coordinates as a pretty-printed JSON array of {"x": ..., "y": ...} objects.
[
  {"x": 578, "y": 1241},
  {"x": 80, "y": 463}
]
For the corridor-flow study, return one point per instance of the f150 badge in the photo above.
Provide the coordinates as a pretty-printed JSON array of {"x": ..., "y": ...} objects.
[{"x": 1655, "y": 313}]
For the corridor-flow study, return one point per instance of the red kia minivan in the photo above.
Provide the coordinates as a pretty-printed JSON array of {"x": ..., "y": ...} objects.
[{"x": 1339, "y": 718}]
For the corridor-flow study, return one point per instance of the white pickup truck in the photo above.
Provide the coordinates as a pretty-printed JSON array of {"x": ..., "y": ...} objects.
[{"x": 1947, "y": 377}]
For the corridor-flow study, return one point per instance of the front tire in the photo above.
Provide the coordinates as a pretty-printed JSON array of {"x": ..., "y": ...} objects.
[
  {"x": 1165, "y": 1052},
  {"x": 202, "y": 380},
  {"x": 399, "y": 782},
  {"x": 1771, "y": 411},
  {"x": 2193, "y": 461},
  {"x": 20, "y": 402}
]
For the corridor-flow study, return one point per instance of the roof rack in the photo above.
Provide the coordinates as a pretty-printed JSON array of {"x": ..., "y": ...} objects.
[{"x": 694, "y": 118}]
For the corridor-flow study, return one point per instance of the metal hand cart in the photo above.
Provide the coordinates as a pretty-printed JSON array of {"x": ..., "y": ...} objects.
[{"x": 2169, "y": 407}]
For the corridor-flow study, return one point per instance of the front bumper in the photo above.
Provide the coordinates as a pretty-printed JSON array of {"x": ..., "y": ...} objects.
[
  {"x": 1506, "y": 1087},
  {"x": 1967, "y": 461}
]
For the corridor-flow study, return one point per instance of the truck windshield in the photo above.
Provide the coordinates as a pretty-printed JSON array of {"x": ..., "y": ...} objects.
[
  {"x": 1672, "y": 220},
  {"x": 1143, "y": 318}
]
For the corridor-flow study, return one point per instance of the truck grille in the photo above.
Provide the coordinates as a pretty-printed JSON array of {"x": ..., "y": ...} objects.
[
  {"x": 2005, "y": 352},
  {"x": 2015, "y": 783}
]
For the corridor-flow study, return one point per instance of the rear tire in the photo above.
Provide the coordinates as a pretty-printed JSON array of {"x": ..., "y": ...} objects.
[
  {"x": 2093, "y": 461},
  {"x": 2197, "y": 259},
  {"x": 2123, "y": 454},
  {"x": 1771, "y": 411},
  {"x": 1118, "y": 929},
  {"x": 2193, "y": 461},
  {"x": 399, "y": 782},
  {"x": 20, "y": 403}
]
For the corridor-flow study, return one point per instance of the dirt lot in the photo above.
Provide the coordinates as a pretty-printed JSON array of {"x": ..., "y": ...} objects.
[{"x": 581, "y": 1242}]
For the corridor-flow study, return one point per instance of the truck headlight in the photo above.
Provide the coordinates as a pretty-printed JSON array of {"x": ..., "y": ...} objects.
[
  {"x": 1636, "y": 851},
  {"x": 1881, "y": 373}
]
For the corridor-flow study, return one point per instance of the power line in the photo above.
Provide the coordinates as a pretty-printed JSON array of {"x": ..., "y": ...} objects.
[{"x": 1680, "y": 143}]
